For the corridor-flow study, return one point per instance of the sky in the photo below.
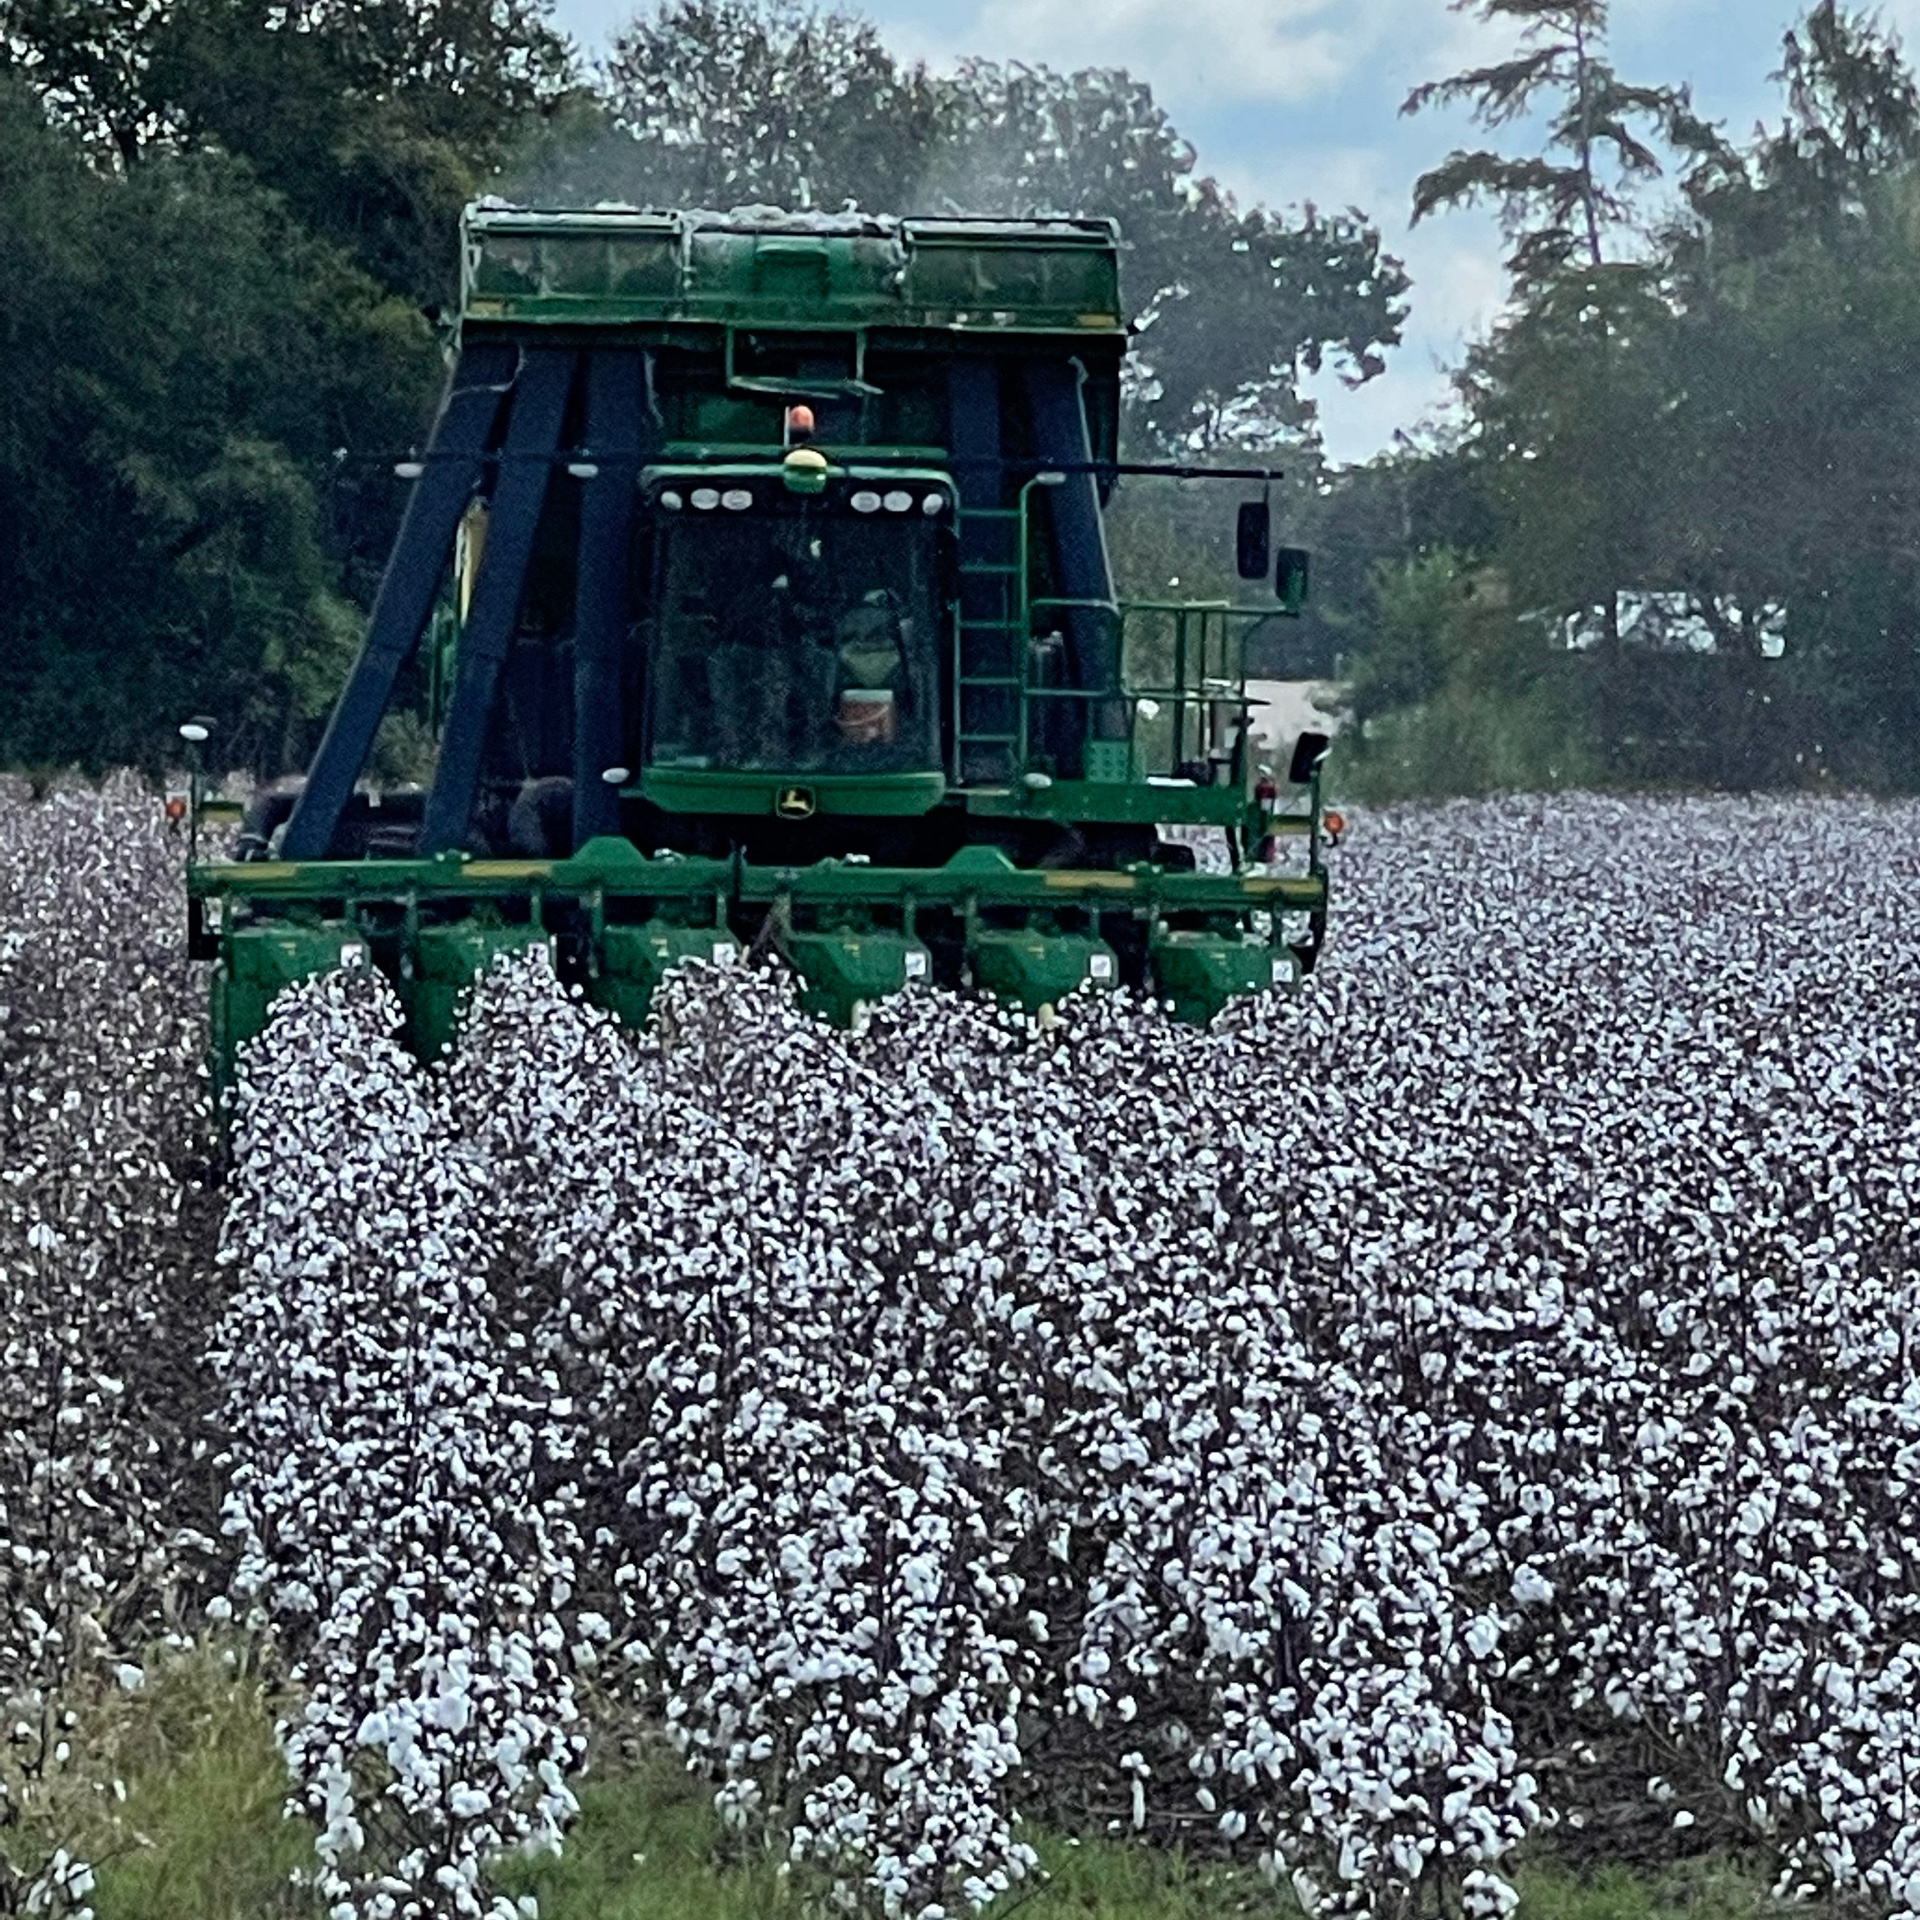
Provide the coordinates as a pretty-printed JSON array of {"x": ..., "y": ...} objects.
[{"x": 1293, "y": 101}]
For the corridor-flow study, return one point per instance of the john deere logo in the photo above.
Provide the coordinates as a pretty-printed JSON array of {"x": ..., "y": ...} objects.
[{"x": 793, "y": 803}]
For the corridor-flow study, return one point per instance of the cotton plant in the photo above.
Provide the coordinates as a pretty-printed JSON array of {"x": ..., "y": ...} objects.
[
  {"x": 104, "y": 1523},
  {"x": 1298, "y": 1440},
  {"x": 393, "y": 1493},
  {"x": 802, "y": 1555},
  {"x": 1258, "y": 1437},
  {"x": 886, "y": 1315}
]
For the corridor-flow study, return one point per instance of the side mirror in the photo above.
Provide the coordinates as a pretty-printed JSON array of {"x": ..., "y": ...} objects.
[
  {"x": 1253, "y": 540},
  {"x": 1308, "y": 751},
  {"x": 1290, "y": 579}
]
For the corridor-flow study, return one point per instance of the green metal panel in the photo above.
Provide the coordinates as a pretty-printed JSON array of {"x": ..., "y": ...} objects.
[
  {"x": 1067, "y": 271},
  {"x": 842, "y": 972},
  {"x": 1140, "y": 802},
  {"x": 262, "y": 914},
  {"x": 794, "y": 796},
  {"x": 449, "y": 960},
  {"x": 1200, "y": 972},
  {"x": 1036, "y": 969},
  {"x": 613, "y": 267},
  {"x": 258, "y": 962},
  {"x": 572, "y": 260},
  {"x": 634, "y": 960},
  {"x": 980, "y": 874}
]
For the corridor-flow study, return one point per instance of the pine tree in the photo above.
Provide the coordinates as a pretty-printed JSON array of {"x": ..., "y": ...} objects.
[{"x": 1558, "y": 208}]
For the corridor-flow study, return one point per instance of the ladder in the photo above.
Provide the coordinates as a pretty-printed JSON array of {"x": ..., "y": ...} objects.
[{"x": 989, "y": 681}]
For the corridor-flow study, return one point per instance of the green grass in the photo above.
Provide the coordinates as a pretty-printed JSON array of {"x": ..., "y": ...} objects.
[
  {"x": 1119, "y": 1882},
  {"x": 646, "y": 1847},
  {"x": 1703, "y": 1889},
  {"x": 201, "y": 1836}
]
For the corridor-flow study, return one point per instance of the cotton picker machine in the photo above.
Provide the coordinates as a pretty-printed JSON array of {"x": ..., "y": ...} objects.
[{"x": 756, "y": 579}]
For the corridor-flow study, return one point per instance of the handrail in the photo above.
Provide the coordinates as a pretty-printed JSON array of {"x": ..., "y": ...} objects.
[
  {"x": 1207, "y": 673},
  {"x": 1204, "y": 678}
]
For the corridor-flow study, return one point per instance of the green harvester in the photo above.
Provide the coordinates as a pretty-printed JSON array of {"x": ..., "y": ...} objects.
[{"x": 755, "y": 579}]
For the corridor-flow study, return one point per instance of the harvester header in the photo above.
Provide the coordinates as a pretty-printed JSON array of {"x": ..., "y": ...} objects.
[{"x": 754, "y": 581}]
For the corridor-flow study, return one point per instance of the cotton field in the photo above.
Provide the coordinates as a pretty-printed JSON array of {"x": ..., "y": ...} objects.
[{"x": 1353, "y": 1438}]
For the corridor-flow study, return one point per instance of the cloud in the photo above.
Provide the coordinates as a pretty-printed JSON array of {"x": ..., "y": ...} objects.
[
  {"x": 1280, "y": 50},
  {"x": 1332, "y": 177},
  {"x": 1458, "y": 291},
  {"x": 1204, "y": 55}
]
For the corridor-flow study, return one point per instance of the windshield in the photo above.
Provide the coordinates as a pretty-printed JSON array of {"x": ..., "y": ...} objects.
[{"x": 801, "y": 639}]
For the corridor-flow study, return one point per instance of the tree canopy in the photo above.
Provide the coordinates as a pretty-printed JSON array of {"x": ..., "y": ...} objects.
[
  {"x": 182, "y": 363},
  {"x": 1686, "y": 456},
  {"x": 1672, "y": 530}
]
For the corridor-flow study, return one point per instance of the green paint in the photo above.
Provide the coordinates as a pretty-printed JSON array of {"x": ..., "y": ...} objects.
[
  {"x": 1035, "y": 969},
  {"x": 634, "y": 960},
  {"x": 843, "y": 972},
  {"x": 262, "y": 960},
  {"x": 449, "y": 960},
  {"x": 1200, "y": 972},
  {"x": 585, "y": 268},
  {"x": 677, "y": 790}
]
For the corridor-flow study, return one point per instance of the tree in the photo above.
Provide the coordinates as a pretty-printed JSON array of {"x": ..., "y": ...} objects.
[
  {"x": 375, "y": 119},
  {"x": 1698, "y": 410},
  {"x": 1798, "y": 291},
  {"x": 1853, "y": 119},
  {"x": 183, "y": 362},
  {"x": 1559, "y": 208},
  {"x": 1232, "y": 307},
  {"x": 86, "y": 60},
  {"x": 1566, "y": 396},
  {"x": 729, "y": 102}
]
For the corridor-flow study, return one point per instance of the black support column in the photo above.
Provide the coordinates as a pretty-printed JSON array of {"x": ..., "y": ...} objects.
[
  {"x": 407, "y": 589},
  {"x": 539, "y": 412},
  {"x": 1080, "y": 562},
  {"x": 621, "y": 430}
]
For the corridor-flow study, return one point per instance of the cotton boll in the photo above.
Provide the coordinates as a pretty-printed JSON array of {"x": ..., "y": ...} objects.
[
  {"x": 1530, "y": 1587},
  {"x": 1288, "y": 1406}
]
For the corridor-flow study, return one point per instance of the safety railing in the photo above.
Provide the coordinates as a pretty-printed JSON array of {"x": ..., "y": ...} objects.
[
  {"x": 1172, "y": 702},
  {"x": 1160, "y": 685}
]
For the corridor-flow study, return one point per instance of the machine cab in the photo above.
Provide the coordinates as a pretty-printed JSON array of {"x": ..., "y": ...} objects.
[{"x": 797, "y": 630}]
